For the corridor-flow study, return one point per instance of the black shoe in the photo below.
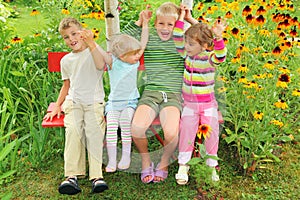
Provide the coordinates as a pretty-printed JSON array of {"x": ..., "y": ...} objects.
[
  {"x": 69, "y": 186},
  {"x": 99, "y": 185}
]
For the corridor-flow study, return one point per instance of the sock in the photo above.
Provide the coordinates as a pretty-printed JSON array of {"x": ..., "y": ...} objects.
[
  {"x": 112, "y": 159},
  {"x": 125, "y": 159}
]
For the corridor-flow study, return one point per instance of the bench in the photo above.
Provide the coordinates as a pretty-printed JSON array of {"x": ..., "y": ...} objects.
[{"x": 54, "y": 66}]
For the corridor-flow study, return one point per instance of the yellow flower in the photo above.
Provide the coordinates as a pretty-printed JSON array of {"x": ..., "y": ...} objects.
[
  {"x": 243, "y": 79},
  {"x": 284, "y": 70},
  {"x": 283, "y": 80},
  {"x": 277, "y": 123},
  {"x": 204, "y": 130},
  {"x": 269, "y": 65},
  {"x": 37, "y": 35},
  {"x": 258, "y": 115},
  {"x": 16, "y": 40},
  {"x": 222, "y": 89},
  {"x": 296, "y": 92},
  {"x": 34, "y": 12},
  {"x": 281, "y": 104},
  {"x": 65, "y": 11},
  {"x": 243, "y": 68}
]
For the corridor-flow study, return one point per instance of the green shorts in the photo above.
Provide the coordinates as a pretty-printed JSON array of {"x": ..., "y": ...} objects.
[{"x": 158, "y": 100}]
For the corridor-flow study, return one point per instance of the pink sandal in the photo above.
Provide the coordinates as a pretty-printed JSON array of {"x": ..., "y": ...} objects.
[
  {"x": 148, "y": 172},
  {"x": 160, "y": 173}
]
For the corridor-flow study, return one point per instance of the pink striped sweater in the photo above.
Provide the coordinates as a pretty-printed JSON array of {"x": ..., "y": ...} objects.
[{"x": 199, "y": 71}]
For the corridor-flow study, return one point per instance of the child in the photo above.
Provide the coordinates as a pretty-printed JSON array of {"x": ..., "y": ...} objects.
[
  {"x": 122, "y": 100},
  {"x": 198, "y": 87},
  {"x": 162, "y": 93},
  {"x": 82, "y": 100}
]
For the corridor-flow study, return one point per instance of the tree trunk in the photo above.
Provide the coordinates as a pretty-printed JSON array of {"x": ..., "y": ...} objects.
[{"x": 112, "y": 22}]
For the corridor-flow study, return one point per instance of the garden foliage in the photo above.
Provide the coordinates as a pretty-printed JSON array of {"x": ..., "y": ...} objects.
[{"x": 259, "y": 92}]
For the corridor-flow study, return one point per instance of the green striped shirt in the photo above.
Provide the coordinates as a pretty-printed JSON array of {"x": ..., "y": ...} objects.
[{"x": 164, "y": 66}]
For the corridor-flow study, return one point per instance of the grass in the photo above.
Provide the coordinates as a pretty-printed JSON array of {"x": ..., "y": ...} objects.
[{"x": 278, "y": 181}]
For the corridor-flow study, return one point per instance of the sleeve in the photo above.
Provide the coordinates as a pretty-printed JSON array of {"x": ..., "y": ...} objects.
[
  {"x": 219, "y": 54},
  {"x": 133, "y": 30},
  {"x": 63, "y": 69},
  {"x": 178, "y": 37}
]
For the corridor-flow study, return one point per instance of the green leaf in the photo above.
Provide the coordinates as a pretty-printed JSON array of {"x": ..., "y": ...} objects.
[
  {"x": 194, "y": 161},
  {"x": 285, "y": 138},
  {"x": 17, "y": 73},
  {"x": 7, "y": 149}
]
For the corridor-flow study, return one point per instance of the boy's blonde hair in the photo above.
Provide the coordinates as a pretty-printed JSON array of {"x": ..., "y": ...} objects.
[
  {"x": 124, "y": 44},
  {"x": 200, "y": 32},
  {"x": 168, "y": 9},
  {"x": 66, "y": 23}
]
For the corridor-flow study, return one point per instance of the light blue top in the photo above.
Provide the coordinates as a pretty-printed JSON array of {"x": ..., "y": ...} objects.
[{"x": 123, "y": 81}]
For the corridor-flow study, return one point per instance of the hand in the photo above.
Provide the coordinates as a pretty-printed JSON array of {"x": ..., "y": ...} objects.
[
  {"x": 88, "y": 37},
  {"x": 55, "y": 111},
  {"x": 183, "y": 10},
  {"x": 219, "y": 27}
]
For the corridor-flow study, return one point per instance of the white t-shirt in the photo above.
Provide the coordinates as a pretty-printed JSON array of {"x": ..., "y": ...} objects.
[{"x": 86, "y": 81}]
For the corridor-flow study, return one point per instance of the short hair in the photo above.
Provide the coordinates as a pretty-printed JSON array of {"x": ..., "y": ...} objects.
[
  {"x": 168, "y": 9},
  {"x": 201, "y": 33},
  {"x": 122, "y": 44},
  {"x": 66, "y": 23}
]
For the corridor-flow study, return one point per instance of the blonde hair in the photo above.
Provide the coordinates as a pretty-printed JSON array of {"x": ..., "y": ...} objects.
[
  {"x": 66, "y": 23},
  {"x": 168, "y": 9},
  {"x": 201, "y": 33},
  {"x": 123, "y": 44}
]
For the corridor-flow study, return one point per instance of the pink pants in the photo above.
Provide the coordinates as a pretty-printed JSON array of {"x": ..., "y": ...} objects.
[{"x": 194, "y": 113}]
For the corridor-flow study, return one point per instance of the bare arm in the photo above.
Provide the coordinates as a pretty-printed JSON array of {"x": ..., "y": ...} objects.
[
  {"x": 61, "y": 98},
  {"x": 146, "y": 16},
  {"x": 96, "y": 50}
]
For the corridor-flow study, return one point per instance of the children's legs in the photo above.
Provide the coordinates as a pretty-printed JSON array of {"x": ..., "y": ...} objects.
[
  {"x": 94, "y": 131},
  {"x": 142, "y": 119},
  {"x": 125, "y": 123},
  {"x": 74, "y": 152},
  {"x": 210, "y": 117},
  {"x": 189, "y": 124},
  {"x": 169, "y": 118},
  {"x": 112, "y": 119}
]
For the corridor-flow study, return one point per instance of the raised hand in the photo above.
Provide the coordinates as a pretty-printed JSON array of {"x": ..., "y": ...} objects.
[{"x": 219, "y": 27}]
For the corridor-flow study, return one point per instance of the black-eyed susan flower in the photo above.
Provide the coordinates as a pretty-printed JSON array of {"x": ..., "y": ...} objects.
[
  {"x": 277, "y": 123},
  {"x": 284, "y": 70},
  {"x": 65, "y": 11},
  {"x": 222, "y": 89},
  {"x": 228, "y": 15},
  {"x": 243, "y": 68},
  {"x": 34, "y": 12},
  {"x": 235, "y": 31},
  {"x": 265, "y": 54},
  {"x": 246, "y": 11},
  {"x": 200, "y": 6},
  {"x": 258, "y": 115},
  {"x": 283, "y": 80},
  {"x": 293, "y": 33},
  {"x": 16, "y": 40},
  {"x": 260, "y": 20},
  {"x": 281, "y": 104},
  {"x": 276, "y": 51},
  {"x": 235, "y": 59},
  {"x": 6, "y": 47},
  {"x": 269, "y": 65},
  {"x": 296, "y": 92},
  {"x": 204, "y": 130},
  {"x": 37, "y": 35},
  {"x": 243, "y": 79},
  {"x": 251, "y": 97},
  {"x": 261, "y": 11},
  {"x": 250, "y": 19}
]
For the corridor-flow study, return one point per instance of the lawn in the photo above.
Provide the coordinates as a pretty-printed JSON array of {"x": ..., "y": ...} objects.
[{"x": 260, "y": 159}]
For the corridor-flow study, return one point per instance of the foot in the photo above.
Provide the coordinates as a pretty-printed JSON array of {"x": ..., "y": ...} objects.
[
  {"x": 99, "y": 185},
  {"x": 182, "y": 176},
  {"x": 124, "y": 162},
  {"x": 160, "y": 174},
  {"x": 147, "y": 175},
  {"x": 215, "y": 177},
  {"x": 69, "y": 186},
  {"x": 109, "y": 169}
]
